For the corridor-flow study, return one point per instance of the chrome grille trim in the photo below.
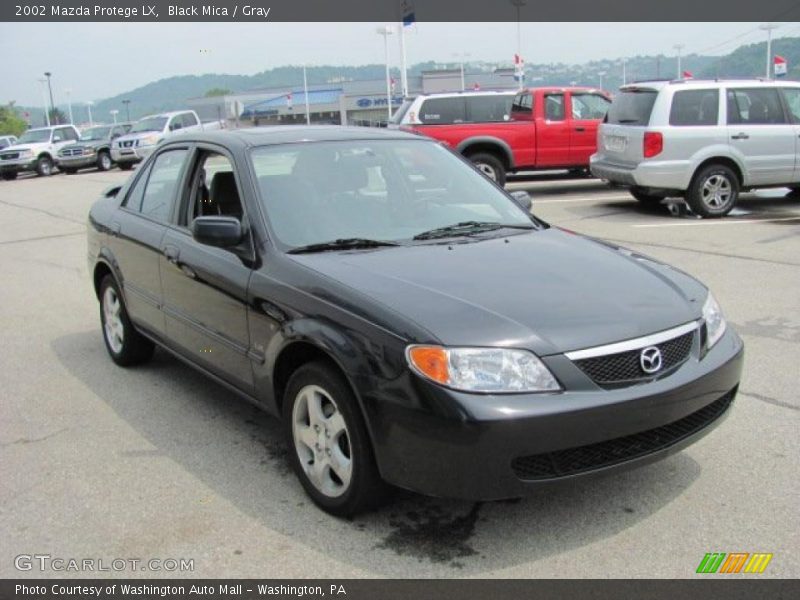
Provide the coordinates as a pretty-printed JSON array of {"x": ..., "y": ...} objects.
[{"x": 633, "y": 344}]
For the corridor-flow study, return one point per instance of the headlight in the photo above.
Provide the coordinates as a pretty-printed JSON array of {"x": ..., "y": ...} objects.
[
  {"x": 488, "y": 370},
  {"x": 149, "y": 140},
  {"x": 715, "y": 322},
  {"x": 25, "y": 153},
  {"x": 89, "y": 150}
]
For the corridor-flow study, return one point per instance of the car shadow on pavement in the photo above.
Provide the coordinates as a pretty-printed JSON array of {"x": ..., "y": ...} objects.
[{"x": 238, "y": 452}]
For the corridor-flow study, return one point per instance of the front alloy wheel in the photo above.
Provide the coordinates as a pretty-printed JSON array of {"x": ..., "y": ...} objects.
[
  {"x": 329, "y": 447},
  {"x": 125, "y": 345}
]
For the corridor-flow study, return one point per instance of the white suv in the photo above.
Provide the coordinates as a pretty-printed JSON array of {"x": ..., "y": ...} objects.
[
  {"x": 35, "y": 150},
  {"x": 703, "y": 140}
]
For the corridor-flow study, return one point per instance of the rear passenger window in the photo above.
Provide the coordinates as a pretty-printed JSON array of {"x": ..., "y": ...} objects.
[
  {"x": 792, "y": 96},
  {"x": 554, "y": 107},
  {"x": 488, "y": 109},
  {"x": 694, "y": 107},
  {"x": 756, "y": 106},
  {"x": 443, "y": 111},
  {"x": 523, "y": 103},
  {"x": 188, "y": 120},
  {"x": 162, "y": 181},
  {"x": 589, "y": 106}
]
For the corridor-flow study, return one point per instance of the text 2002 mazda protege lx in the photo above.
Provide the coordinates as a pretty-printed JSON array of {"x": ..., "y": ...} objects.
[{"x": 410, "y": 322}]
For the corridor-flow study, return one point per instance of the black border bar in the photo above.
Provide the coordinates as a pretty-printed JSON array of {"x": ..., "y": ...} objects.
[{"x": 390, "y": 10}]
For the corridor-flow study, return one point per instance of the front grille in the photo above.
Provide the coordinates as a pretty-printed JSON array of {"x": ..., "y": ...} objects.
[
  {"x": 71, "y": 152},
  {"x": 614, "y": 370},
  {"x": 9, "y": 156},
  {"x": 126, "y": 143},
  {"x": 563, "y": 463}
]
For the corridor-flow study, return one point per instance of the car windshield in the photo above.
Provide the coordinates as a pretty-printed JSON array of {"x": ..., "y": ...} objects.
[
  {"x": 34, "y": 136},
  {"x": 387, "y": 191},
  {"x": 95, "y": 133},
  {"x": 149, "y": 124}
]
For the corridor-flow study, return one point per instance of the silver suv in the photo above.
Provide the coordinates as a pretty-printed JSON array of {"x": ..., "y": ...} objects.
[{"x": 703, "y": 140}]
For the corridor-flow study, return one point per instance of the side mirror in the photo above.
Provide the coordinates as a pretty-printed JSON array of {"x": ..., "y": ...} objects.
[
  {"x": 523, "y": 198},
  {"x": 115, "y": 135},
  {"x": 175, "y": 126},
  {"x": 221, "y": 232},
  {"x": 57, "y": 138}
]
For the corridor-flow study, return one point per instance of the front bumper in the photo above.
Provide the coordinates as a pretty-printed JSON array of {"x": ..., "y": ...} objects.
[
  {"x": 17, "y": 165},
  {"x": 77, "y": 162},
  {"x": 131, "y": 155},
  {"x": 482, "y": 447},
  {"x": 656, "y": 174}
]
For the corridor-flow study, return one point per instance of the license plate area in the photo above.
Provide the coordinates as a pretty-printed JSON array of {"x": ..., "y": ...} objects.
[{"x": 615, "y": 143}]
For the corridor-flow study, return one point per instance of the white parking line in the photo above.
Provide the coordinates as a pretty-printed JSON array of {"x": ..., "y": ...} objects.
[
  {"x": 728, "y": 222},
  {"x": 582, "y": 199}
]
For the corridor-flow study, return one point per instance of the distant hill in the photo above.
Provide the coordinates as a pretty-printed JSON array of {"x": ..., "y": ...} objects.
[{"x": 171, "y": 93}]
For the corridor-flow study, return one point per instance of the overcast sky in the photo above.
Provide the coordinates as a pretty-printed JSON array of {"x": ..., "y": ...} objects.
[{"x": 98, "y": 60}]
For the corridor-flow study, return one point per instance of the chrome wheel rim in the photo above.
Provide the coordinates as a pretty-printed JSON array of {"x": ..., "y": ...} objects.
[
  {"x": 717, "y": 191},
  {"x": 487, "y": 170},
  {"x": 321, "y": 441},
  {"x": 112, "y": 320},
  {"x": 46, "y": 167},
  {"x": 105, "y": 162}
]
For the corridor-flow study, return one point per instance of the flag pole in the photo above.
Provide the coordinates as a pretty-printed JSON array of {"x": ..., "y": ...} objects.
[
  {"x": 403, "y": 74},
  {"x": 305, "y": 92}
]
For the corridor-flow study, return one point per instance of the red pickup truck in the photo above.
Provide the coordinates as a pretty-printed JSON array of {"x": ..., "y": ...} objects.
[{"x": 503, "y": 132}]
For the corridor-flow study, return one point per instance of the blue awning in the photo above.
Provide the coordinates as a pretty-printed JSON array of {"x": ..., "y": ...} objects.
[{"x": 327, "y": 96}]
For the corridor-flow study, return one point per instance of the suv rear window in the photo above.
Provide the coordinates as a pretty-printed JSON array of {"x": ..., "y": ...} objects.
[
  {"x": 443, "y": 111},
  {"x": 632, "y": 107},
  {"x": 694, "y": 107}
]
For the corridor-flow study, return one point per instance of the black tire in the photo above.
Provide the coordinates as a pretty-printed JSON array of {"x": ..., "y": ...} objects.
[
  {"x": 44, "y": 166},
  {"x": 134, "y": 348},
  {"x": 365, "y": 489},
  {"x": 645, "y": 199},
  {"x": 104, "y": 162},
  {"x": 68, "y": 171},
  {"x": 125, "y": 166},
  {"x": 491, "y": 166},
  {"x": 10, "y": 175},
  {"x": 710, "y": 204}
]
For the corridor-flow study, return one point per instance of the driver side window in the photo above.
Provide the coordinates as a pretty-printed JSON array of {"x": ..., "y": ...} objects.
[{"x": 214, "y": 189}]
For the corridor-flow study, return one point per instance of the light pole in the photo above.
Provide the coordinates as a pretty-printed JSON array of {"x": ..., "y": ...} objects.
[
  {"x": 43, "y": 81},
  {"x": 68, "y": 92},
  {"x": 114, "y": 113},
  {"x": 127, "y": 104},
  {"x": 768, "y": 27},
  {"x": 624, "y": 71},
  {"x": 89, "y": 108},
  {"x": 679, "y": 47},
  {"x": 601, "y": 74},
  {"x": 386, "y": 32},
  {"x": 461, "y": 56},
  {"x": 519, "y": 4},
  {"x": 48, "y": 74}
]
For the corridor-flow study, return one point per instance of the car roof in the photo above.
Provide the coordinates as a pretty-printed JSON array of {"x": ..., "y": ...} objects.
[
  {"x": 659, "y": 84},
  {"x": 468, "y": 93},
  {"x": 166, "y": 114},
  {"x": 290, "y": 134}
]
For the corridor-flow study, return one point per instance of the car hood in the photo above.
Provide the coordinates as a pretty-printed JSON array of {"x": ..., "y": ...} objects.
[
  {"x": 19, "y": 147},
  {"x": 550, "y": 291},
  {"x": 91, "y": 144}
]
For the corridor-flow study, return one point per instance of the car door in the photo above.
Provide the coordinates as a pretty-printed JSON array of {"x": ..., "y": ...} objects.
[
  {"x": 63, "y": 136},
  {"x": 792, "y": 98},
  {"x": 205, "y": 288},
  {"x": 760, "y": 134},
  {"x": 553, "y": 131},
  {"x": 189, "y": 121},
  {"x": 136, "y": 231},
  {"x": 586, "y": 110}
]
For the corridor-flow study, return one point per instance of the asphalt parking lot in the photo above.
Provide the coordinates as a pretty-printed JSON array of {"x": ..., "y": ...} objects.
[{"x": 157, "y": 462}]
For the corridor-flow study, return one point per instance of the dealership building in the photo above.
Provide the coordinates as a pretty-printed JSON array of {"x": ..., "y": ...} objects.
[{"x": 341, "y": 103}]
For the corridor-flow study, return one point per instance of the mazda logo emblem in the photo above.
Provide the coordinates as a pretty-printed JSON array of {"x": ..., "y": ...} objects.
[{"x": 650, "y": 360}]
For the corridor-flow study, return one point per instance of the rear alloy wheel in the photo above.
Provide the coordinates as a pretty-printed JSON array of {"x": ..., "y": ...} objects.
[
  {"x": 328, "y": 443},
  {"x": 44, "y": 166},
  {"x": 491, "y": 166},
  {"x": 645, "y": 199},
  {"x": 125, "y": 345},
  {"x": 104, "y": 162},
  {"x": 713, "y": 192}
]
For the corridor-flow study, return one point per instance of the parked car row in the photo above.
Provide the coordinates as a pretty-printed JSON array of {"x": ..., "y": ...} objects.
[{"x": 43, "y": 149}]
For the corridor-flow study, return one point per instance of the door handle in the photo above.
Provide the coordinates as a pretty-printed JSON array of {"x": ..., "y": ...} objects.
[
  {"x": 172, "y": 253},
  {"x": 580, "y": 129},
  {"x": 740, "y": 136}
]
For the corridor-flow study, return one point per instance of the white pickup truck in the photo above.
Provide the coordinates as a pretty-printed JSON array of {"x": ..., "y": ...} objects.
[{"x": 146, "y": 133}]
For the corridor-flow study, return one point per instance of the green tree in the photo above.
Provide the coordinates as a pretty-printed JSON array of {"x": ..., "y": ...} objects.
[
  {"x": 217, "y": 91},
  {"x": 57, "y": 117},
  {"x": 10, "y": 121}
]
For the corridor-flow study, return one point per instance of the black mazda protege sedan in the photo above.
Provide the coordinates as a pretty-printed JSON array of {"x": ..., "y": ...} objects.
[{"x": 409, "y": 321}]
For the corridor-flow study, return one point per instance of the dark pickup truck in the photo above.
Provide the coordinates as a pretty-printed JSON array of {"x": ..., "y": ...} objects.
[{"x": 93, "y": 149}]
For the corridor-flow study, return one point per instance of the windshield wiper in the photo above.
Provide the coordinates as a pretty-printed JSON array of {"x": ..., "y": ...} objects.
[
  {"x": 466, "y": 228},
  {"x": 341, "y": 244}
]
